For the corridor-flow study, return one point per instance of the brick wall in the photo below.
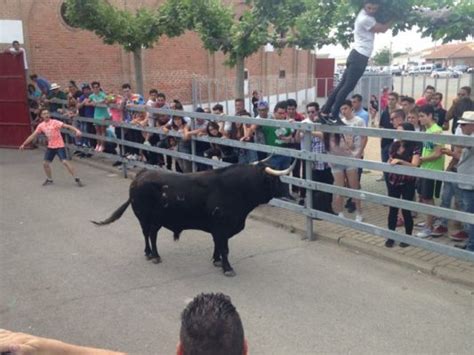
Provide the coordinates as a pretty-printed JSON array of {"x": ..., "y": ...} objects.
[{"x": 60, "y": 53}]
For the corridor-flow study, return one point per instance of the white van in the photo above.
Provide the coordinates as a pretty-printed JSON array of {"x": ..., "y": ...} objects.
[{"x": 422, "y": 69}]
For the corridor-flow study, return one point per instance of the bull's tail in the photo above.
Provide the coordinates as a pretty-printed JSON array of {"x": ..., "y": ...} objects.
[{"x": 116, "y": 215}]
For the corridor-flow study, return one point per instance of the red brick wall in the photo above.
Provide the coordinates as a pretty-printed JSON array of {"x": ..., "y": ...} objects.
[{"x": 60, "y": 53}]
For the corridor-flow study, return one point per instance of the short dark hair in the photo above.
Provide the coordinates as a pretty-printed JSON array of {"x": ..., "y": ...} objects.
[
  {"x": 313, "y": 104},
  {"x": 153, "y": 91},
  {"x": 430, "y": 87},
  {"x": 218, "y": 107},
  {"x": 33, "y": 76},
  {"x": 357, "y": 97},
  {"x": 407, "y": 126},
  {"x": 438, "y": 94},
  {"x": 178, "y": 105},
  {"x": 291, "y": 103},
  {"x": 210, "y": 324},
  {"x": 95, "y": 83},
  {"x": 162, "y": 95},
  {"x": 408, "y": 99},
  {"x": 126, "y": 86},
  {"x": 239, "y": 100},
  {"x": 281, "y": 104},
  {"x": 347, "y": 103},
  {"x": 399, "y": 113},
  {"x": 467, "y": 89},
  {"x": 374, "y": 2},
  {"x": 427, "y": 110},
  {"x": 15, "y": 42},
  {"x": 394, "y": 94}
]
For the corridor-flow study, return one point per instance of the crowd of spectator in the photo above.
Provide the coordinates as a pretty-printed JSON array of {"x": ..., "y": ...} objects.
[{"x": 396, "y": 112}]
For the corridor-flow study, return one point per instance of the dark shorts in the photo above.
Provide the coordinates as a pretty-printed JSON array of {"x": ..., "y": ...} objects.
[
  {"x": 425, "y": 188},
  {"x": 52, "y": 152}
]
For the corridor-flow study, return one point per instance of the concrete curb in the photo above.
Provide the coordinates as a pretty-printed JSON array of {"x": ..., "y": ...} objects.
[{"x": 451, "y": 274}]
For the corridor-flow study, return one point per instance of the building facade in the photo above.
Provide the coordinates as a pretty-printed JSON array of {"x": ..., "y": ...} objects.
[{"x": 60, "y": 53}]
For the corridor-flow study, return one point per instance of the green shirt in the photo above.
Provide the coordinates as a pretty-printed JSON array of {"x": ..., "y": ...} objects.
[
  {"x": 272, "y": 133},
  {"x": 429, "y": 148},
  {"x": 99, "y": 112}
]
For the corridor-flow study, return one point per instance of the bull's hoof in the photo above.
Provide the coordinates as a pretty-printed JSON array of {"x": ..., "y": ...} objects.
[
  {"x": 217, "y": 263},
  {"x": 229, "y": 273},
  {"x": 156, "y": 260}
]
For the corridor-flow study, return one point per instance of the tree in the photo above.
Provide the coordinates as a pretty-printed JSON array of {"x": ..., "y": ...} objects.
[
  {"x": 132, "y": 31},
  {"x": 382, "y": 57}
]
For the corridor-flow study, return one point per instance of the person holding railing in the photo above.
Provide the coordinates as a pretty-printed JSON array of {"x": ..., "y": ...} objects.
[
  {"x": 404, "y": 153},
  {"x": 432, "y": 158},
  {"x": 85, "y": 110},
  {"x": 463, "y": 102},
  {"x": 101, "y": 113}
]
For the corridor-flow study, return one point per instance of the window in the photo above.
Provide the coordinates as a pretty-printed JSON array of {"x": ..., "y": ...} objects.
[
  {"x": 246, "y": 74},
  {"x": 282, "y": 74}
]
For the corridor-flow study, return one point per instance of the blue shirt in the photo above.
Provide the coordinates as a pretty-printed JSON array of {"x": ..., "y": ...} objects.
[
  {"x": 364, "y": 115},
  {"x": 86, "y": 111},
  {"x": 43, "y": 84}
]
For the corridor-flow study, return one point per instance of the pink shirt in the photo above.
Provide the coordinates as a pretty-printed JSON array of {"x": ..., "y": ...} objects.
[
  {"x": 116, "y": 113},
  {"x": 52, "y": 131}
]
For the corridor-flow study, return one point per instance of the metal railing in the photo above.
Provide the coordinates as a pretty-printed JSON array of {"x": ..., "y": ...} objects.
[{"x": 308, "y": 157}]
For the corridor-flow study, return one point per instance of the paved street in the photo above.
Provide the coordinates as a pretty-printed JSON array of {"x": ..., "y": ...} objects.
[{"x": 64, "y": 278}]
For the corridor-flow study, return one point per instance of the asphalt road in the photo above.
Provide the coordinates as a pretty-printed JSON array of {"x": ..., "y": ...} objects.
[{"x": 64, "y": 278}]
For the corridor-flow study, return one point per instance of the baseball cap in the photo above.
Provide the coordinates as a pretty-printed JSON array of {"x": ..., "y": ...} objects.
[{"x": 262, "y": 104}]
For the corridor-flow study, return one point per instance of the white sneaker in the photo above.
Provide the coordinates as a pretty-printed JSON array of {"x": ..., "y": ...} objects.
[
  {"x": 424, "y": 233},
  {"x": 359, "y": 218},
  {"x": 146, "y": 143},
  {"x": 341, "y": 214},
  {"x": 420, "y": 224}
]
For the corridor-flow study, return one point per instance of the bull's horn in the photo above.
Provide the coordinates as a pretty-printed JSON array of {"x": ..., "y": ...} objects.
[
  {"x": 280, "y": 172},
  {"x": 263, "y": 160}
]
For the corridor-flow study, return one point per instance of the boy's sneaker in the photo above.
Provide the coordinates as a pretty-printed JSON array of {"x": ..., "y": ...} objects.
[
  {"x": 117, "y": 163},
  {"x": 439, "y": 231},
  {"x": 47, "y": 182},
  {"x": 420, "y": 224},
  {"x": 404, "y": 245},
  {"x": 79, "y": 182},
  {"x": 389, "y": 243},
  {"x": 359, "y": 218},
  {"x": 424, "y": 233},
  {"x": 460, "y": 236}
]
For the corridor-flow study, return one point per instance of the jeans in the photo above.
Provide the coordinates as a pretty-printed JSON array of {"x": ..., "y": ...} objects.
[
  {"x": 468, "y": 206},
  {"x": 406, "y": 192},
  {"x": 355, "y": 67},
  {"x": 450, "y": 190},
  {"x": 385, "y": 155}
]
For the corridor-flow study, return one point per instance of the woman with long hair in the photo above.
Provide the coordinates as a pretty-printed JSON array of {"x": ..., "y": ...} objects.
[{"x": 405, "y": 153}]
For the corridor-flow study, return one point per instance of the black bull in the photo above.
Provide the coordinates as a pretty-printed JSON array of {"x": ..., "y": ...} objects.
[{"x": 215, "y": 201}]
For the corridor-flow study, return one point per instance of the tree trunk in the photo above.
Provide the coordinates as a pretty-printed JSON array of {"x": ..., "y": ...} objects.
[
  {"x": 239, "y": 78},
  {"x": 137, "y": 61}
]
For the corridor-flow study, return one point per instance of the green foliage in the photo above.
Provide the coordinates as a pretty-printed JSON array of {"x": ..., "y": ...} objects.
[
  {"x": 132, "y": 31},
  {"x": 382, "y": 57}
]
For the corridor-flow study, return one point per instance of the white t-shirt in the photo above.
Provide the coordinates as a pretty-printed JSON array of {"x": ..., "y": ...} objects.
[
  {"x": 21, "y": 50},
  {"x": 363, "y": 38},
  {"x": 354, "y": 142}
]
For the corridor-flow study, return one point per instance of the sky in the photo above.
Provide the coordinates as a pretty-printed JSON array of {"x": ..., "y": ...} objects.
[{"x": 409, "y": 39}]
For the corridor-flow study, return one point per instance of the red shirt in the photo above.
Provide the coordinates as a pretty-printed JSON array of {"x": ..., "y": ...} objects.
[{"x": 52, "y": 131}]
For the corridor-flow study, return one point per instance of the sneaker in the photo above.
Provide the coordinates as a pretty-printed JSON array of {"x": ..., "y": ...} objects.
[
  {"x": 420, "y": 224},
  {"x": 341, "y": 214},
  {"x": 439, "y": 231},
  {"x": 47, "y": 182},
  {"x": 404, "y": 245},
  {"x": 460, "y": 236},
  {"x": 117, "y": 163},
  {"x": 79, "y": 182},
  {"x": 424, "y": 233},
  {"x": 359, "y": 218},
  {"x": 146, "y": 143},
  {"x": 389, "y": 243}
]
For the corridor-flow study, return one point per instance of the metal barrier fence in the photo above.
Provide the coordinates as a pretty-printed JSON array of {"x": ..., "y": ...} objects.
[
  {"x": 208, "y": 92},
  {"x": 308, "y": 157}
]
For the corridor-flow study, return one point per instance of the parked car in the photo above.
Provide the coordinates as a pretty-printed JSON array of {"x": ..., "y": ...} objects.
[
  {"x": 396, "y": 70},
  {"x": 445, "y": 73},
  {"x": 470, "y": 70},
  {"x": 422, "y": 69},
  {"x": 461, "y": 68}
]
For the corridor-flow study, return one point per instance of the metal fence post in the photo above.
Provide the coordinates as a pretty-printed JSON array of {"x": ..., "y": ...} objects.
[
  {"x": 193, "y": 145},
  {"x": 122, "y": 153},
  {"x": 309, "y": 193}
]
